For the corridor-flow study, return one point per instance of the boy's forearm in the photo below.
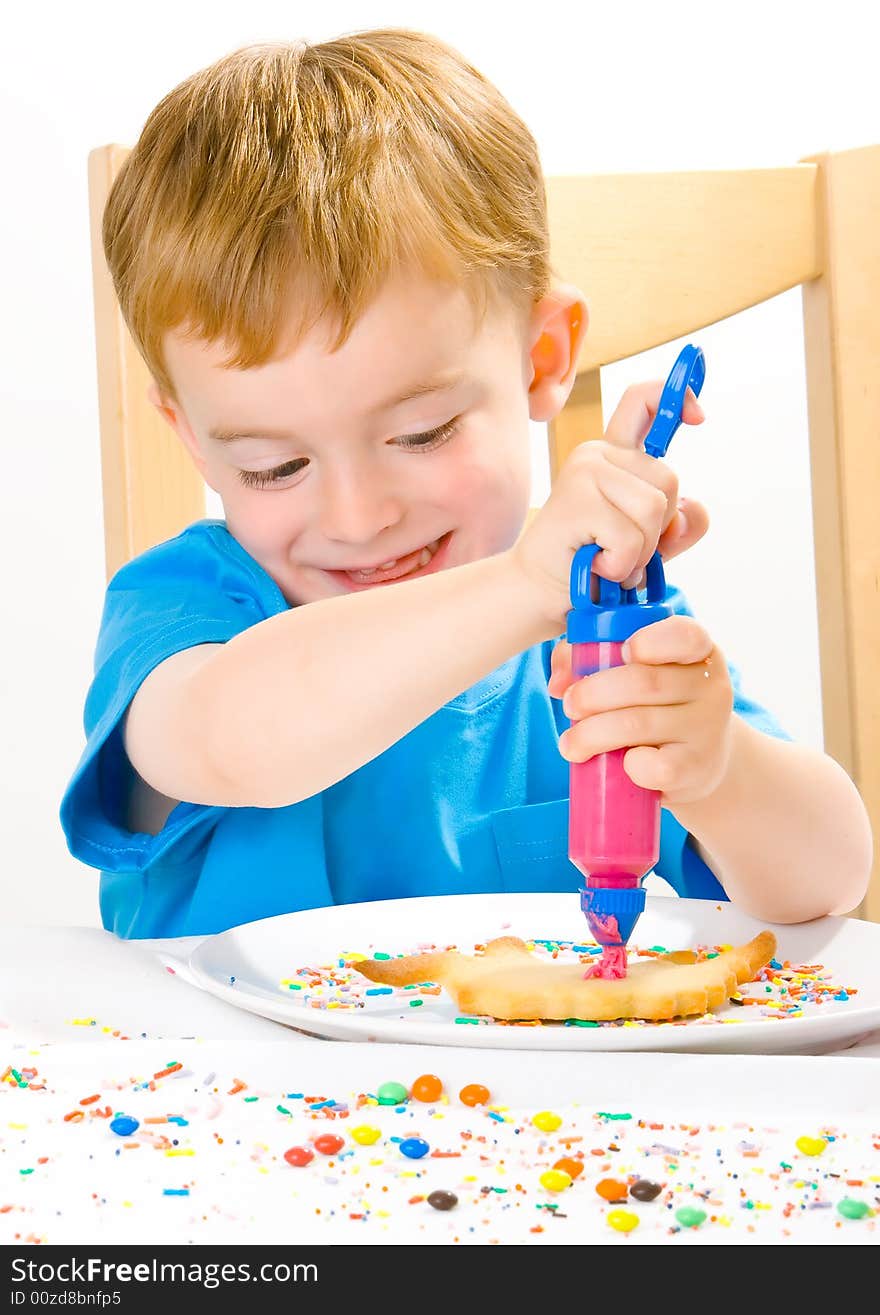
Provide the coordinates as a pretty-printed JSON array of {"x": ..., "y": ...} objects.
[
  {"x": 301, "y": 700},
  {"x": 786, "y": 832}
]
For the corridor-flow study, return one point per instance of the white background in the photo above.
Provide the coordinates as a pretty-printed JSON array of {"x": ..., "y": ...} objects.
[{"x": 617, "y": 87}]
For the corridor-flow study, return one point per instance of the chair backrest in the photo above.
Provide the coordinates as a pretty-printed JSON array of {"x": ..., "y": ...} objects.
[{"x": 662, "y": 256}]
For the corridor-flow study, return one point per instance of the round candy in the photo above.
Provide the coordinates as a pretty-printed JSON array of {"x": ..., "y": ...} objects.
[
  {"x": 572, "y": 1167},
  {"x": 427, "y": 1088},
  {"x": 644, "y": 1190},
  {"x": 555, "y": 1180},
  {"x": 624, "y": 1221},
  {"x": 474, "y": 1094},
  {"x": 852, "y": 1209},
  {"x": 611, "y": 1190},
  {"x": 391, "y": 1093},
  {"x": 124, "y": 1125},
  {"x": 546, "y": 1120},
  {"x": 443, "y": 1200},
  {"x": 364, "y": 1135},
  {"x": 689, "y": 1216},
  {"x": 299, "y": 1156},
  {"x": 414, "y": 1147},
  {"x": 328, "y": 1143},
  {"x": 811, "y": 1145}
]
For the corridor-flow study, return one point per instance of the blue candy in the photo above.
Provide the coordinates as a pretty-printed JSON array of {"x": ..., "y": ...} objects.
[
  {"x": 124, "y": 1125},
  {"x": 414, "y": 1147}
]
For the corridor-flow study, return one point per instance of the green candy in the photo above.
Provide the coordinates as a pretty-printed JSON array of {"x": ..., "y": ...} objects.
[
  {"x": 392, "y": 1093},
  {"x": 690, "y": 1217},
  {"x": 852, "y": 1209}
]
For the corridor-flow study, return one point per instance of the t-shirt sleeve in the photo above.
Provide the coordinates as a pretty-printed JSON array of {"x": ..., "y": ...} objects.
[
  {"x": 194, "y": 589},
  {"x": 679, "y": 863}
]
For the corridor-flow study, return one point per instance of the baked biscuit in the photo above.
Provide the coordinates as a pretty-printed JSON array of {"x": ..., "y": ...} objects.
[{"x": 508, "y": 982}]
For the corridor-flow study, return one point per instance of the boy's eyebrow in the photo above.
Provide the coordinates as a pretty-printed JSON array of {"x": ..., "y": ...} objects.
[{"x": 443, "y": 383}]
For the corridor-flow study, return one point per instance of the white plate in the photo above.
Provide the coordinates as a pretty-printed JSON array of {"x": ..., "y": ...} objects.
[{"x": 247, "y": 965}]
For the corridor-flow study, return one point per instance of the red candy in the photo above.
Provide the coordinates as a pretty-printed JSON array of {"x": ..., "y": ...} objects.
[
  {"x": 474, "y": 1094},
  {"x": 298, "y": 1156},
  {"x": 427, "y": 1088},
  {"x": 329, "y": 1144}
]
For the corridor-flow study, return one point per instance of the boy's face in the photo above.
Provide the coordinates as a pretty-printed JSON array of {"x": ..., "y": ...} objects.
[{"x": 334, "y": 476}]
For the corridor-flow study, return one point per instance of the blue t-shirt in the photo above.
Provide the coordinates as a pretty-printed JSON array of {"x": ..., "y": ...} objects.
[{"x": 472, "y": 800}]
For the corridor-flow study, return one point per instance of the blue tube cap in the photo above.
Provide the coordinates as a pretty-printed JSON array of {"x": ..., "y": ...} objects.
[
  {"x": 612, "y": 913},
  {"x": 617, "y": 613}
]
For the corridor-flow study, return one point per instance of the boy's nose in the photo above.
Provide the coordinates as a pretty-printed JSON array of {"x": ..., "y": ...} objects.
[{"x": 356, "y": 507}]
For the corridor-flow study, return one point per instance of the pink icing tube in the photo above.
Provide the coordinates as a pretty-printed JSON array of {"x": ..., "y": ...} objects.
[
  {"x": 614, "y": 825},
  {"x": 614, "y": 832}
]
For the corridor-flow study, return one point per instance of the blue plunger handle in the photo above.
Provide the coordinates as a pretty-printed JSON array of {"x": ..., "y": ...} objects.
[{"x": 689, "y": 371}]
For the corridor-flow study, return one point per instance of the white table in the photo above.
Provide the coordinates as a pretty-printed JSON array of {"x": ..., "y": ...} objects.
[{"x": 69, "y": 996}]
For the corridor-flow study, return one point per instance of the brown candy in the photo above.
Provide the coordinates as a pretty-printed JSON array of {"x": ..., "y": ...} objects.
[
  {"x": 643, "y": 1190},
  {"x": 445, "y": 1200}
]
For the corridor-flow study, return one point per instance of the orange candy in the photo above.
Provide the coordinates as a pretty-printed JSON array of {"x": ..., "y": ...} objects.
[
  {"x": 569, "y": 1166},
  {"x": 612, "y": 1190},
  {"x": 427, "y": 1088},
  {"x": 474, "y": 1094}
]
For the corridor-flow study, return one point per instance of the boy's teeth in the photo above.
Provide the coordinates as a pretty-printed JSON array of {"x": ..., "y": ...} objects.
[{"x": 424, "y": 557}]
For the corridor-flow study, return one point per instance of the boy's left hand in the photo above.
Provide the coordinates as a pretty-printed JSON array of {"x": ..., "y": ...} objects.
[{"x": 670, "y": 704}]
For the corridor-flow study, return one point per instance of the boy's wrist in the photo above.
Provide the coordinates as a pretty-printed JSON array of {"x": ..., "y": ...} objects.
[{"x": 536, "y": 592}]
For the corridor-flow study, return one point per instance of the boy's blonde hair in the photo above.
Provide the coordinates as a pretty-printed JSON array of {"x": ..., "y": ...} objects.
[{"x": 292, "y": 180}]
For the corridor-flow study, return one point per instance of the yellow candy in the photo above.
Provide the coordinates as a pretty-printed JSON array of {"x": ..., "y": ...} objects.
[
  {"x": 623, "y": 1220},
  {"x": 547, "y": 1121},
  {"x": 364, "y": 1135},
  {"x": 811, "y": 1145},
  {"x": 555, "y": 1180}
]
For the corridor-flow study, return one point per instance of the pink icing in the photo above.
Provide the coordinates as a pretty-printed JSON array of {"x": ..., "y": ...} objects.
[{"x": 612, "y": 964}]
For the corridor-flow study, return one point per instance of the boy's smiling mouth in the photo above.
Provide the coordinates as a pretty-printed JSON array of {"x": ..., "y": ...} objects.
[{"x": 421, "y": 561}]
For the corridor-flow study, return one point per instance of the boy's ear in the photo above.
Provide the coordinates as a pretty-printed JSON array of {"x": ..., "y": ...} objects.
[
  {"x": 171, "y": 412},
  {"x": 557, "y": 329}
]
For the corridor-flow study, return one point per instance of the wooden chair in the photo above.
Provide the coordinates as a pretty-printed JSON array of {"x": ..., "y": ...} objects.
[{"x": 662, "y": 256}]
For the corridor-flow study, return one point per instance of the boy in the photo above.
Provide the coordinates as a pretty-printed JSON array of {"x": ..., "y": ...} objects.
[{"x": 334, "y": 261}]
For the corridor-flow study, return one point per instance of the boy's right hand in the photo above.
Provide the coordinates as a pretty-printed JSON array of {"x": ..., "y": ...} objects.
[{"x": 610, "y": 491}]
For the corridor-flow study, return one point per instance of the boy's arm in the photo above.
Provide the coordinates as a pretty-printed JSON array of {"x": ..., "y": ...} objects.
[
  {"x": 299, "y": 701},
  {"x": 785, "y": 832}
]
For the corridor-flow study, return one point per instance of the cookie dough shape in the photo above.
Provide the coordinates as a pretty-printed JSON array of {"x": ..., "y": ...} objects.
[{"x": 508, "y": 982}]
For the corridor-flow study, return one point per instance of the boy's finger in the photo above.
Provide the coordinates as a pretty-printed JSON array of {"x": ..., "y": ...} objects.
[
  {"x": 636, "y": 410},
  {"x": 560, "y": 669},
  {"x": 676, "y": 639},
  {"x": 688, "y": 525}
]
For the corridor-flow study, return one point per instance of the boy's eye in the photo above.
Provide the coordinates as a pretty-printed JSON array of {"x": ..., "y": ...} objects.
[
  {"x": 433, "y": 438},
  {"x": 264, "y": 479}
]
